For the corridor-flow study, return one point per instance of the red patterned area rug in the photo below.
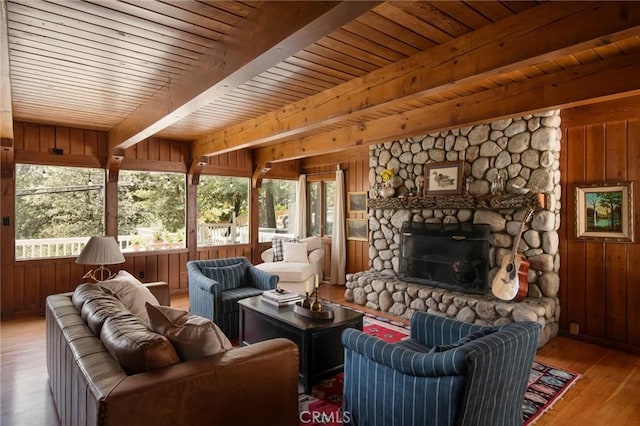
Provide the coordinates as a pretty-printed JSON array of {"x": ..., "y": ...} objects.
[
  {"x": 547, "y": 385},
  {"x": 324, "y": 407}
]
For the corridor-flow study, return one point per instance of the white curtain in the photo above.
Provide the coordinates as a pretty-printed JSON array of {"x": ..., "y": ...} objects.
[
  {"x": 300, "y": 226},
  {"x": 338, "y": 241}
]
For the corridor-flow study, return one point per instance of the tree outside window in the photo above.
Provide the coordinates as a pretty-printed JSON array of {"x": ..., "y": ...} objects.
[
  {"x": 57, "y": 209},
  {"x": 151, "y": 209},
  {"x": 276, "y": 209},
  {"x": 321, "y": 200},
  {"x": 223, "y": 210}
]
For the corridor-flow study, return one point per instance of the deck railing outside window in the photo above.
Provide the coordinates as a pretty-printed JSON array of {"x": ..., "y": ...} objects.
[
  {"x": 58, "y": 247},
  {"x": 208, "y": 234}
]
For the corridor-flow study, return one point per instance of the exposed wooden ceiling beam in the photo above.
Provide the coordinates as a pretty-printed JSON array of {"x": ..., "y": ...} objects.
[
  {"x": 614, "y": 110},
  {"x": 277, "y": 31},
  {"x": 6, "y": 112},
  {"x": 549, "y": 31},
  {"x": 600, "y": 80},
  {"x": 351, "y": 154}
]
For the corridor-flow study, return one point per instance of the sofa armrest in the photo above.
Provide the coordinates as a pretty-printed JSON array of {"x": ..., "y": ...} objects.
[
  {"x": 315, "y": 259},
  {"x": 267, "y": 255},
  {"x": 205, "y": 294},
  {"x": 217, "y": 387},
  {"x": 203, "y": 283},
  {"x": 262, "y": 280},
  {"x": 161, "y": 291},
  {"x": 316, "y": 255}
]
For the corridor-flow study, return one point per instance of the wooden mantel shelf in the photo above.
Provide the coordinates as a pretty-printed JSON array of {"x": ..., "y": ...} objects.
[{"x": 467, "y": 201}]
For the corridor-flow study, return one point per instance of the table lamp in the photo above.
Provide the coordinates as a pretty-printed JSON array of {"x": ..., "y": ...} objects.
[{"x": 100, "y": 251}]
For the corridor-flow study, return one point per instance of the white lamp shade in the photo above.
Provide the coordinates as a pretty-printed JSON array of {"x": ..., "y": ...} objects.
[{"x": 100, "y": 251}]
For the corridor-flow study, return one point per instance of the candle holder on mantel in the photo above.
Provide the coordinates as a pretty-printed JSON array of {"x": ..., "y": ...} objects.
[{"x": 313, "y": 308}]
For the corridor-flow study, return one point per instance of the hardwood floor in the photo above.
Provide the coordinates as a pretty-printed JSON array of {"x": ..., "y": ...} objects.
[{"x": 608, "y": 392}]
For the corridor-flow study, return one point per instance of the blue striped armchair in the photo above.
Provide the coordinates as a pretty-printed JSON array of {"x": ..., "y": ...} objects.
[
  {"x": 446, "y": 373},
  {"x": 215, "y": 286}
]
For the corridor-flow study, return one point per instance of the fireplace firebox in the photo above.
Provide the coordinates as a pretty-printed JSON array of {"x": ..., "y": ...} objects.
[{"x": 451, "y": 256}]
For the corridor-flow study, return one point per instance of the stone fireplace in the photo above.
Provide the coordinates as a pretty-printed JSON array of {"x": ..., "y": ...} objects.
[
  {"x": 452, "y": 256},
  {"x": 525, "y": 151}
]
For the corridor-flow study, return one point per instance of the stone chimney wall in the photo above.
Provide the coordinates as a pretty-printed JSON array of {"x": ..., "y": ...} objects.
[{"x": 525, "y": 150}]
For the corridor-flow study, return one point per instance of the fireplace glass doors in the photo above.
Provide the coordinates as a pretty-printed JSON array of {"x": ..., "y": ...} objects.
[{"x": 451, "y": 256}]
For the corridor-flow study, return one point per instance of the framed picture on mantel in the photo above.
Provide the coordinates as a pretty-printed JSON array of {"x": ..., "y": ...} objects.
[
  {"x": 604, "y": 211},
  {"x": 443, "y": 178}
]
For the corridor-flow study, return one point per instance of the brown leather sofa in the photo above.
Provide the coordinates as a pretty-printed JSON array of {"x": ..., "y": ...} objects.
[{"x": 256, "y": 384}]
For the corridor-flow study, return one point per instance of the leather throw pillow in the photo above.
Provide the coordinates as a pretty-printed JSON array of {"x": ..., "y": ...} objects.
[
  {"x": 131, "y": 292},
  {"x": 192, "y": 336},
  {"x": 134, "y": 346}
]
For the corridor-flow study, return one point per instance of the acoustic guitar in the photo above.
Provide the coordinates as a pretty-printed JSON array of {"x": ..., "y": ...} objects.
[{"x": 510, "y": 283}]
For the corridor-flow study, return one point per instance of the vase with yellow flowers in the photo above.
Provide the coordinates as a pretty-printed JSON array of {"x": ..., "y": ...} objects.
[{"x": 387, "y": 190}]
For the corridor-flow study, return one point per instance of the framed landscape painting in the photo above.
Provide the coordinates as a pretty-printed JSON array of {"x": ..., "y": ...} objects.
[
  {"x": 358, "y": 229},
  {"x": 357, "y": 202},
  {"x": 604, "y": 211},
  {"x": 443, "y": 178}
]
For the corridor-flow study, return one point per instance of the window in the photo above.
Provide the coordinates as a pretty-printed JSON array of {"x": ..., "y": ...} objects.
[
  {"x": 57, "y": 209},
  {"x": 151, "y": 210},
  {"x": 321, "y": 199},
  {"x": 223, "y": 210},
  {"x": 276, "y": 208}
]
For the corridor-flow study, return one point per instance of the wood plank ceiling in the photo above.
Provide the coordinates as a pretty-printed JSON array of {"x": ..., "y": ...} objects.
[{"x": 296, "y": 79}]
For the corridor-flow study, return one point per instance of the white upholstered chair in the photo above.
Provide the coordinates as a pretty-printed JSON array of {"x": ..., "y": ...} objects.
[{"x": 297, "y": 267}]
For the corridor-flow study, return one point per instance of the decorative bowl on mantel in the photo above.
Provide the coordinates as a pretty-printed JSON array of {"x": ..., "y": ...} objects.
[{"x": 387, "y": 190}]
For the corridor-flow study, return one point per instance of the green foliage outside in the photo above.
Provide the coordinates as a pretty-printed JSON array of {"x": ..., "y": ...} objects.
[
  {"x": 276, "y": 195},
  {"x": 58, "y": 202},
  {"x": 321, "y": 196},
  {"x": 221, "y": 196},
  {"x": 66, "y": 202},
  {"x": 152, "y": 200}
]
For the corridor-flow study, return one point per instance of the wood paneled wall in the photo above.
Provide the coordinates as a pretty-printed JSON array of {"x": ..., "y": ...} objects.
[
  {"x": 600, "y": 281},
  {"x": 357, "y": 180},
  {"x": 26, "y": 284}
]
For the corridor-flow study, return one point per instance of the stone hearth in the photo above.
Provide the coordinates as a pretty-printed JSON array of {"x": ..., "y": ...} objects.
[{"x": 385, "y": 292}]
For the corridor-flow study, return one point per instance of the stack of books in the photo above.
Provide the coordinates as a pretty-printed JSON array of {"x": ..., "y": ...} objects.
[{"x": 281, "y": 297}]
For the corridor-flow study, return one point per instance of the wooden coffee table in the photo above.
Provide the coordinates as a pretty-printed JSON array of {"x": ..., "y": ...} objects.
[{"x": 321, "y": 350}]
